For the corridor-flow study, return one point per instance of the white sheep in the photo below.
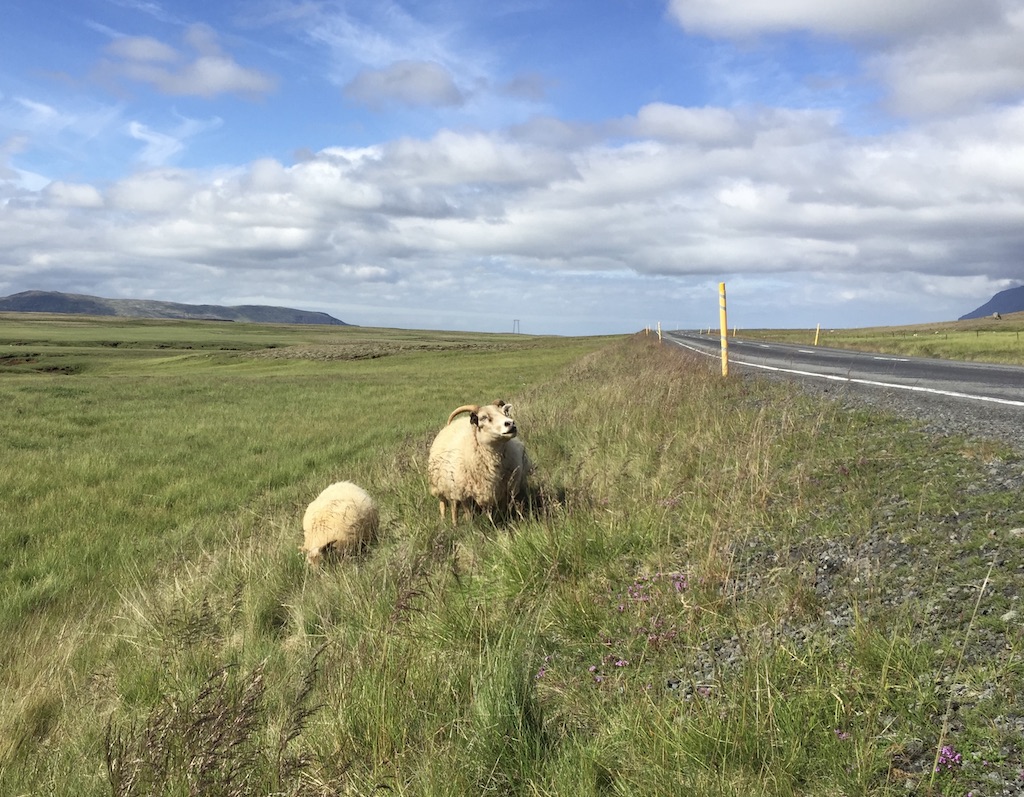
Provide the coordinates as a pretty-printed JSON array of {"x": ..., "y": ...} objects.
[
  {"x": 478, "y": 460},
  {"x": 342, "y": 518}
]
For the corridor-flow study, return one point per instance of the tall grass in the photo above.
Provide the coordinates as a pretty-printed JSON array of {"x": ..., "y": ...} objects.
[{"x": 663, "y": 618}]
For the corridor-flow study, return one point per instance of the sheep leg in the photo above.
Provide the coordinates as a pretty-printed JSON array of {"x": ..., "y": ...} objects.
[{"x": 444, "y": 515}]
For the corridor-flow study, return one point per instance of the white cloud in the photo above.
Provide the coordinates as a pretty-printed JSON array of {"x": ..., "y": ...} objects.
[
  {"x": 142, "y": 48},
  {"x": 532, "y": 86},
  {"x": 29, "y": 127},
  {"x": 377, "y": 34},
  {"x": 413, "y": 83},
  {"x": 208, "y": 74},
  {"x": 44, "y": 123},
  {"x": 163, "y": 191},
  {"x": 161, "y": 147},
  {"x": 381, "y": 54},
  {"x": 684, "y": 196},
  {"x": 472, "y": 159},
  {"x": 8, "y": 148},
  {"x": 74, "y": 195},
  {"x": 835, "y": 17},
  {"x": 667, "y": 122},
  {"x": 39, "y": 114},
  {"x": 930, "y": 57},
  {"x": 955, "y": 72},
  {"x": 153, "y": 9},
  {"x": 203, "y": 40}
]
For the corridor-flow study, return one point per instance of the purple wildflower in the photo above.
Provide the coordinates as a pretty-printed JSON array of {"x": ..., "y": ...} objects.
[{"x": 949, "y": 758}]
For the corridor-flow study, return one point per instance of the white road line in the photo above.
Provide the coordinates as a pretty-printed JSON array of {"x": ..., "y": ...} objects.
[{"x": 834, "y": 378}]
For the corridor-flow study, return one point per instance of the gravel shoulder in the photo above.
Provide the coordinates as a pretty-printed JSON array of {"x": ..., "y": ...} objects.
[
  {"x": 938, "y": 414},
  {"x": 957, "y": 579}
]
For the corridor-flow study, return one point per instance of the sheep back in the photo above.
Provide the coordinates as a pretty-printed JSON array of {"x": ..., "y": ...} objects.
[
  {"x": 515, "y": 467},
  {"x": 342, "y": 518}
]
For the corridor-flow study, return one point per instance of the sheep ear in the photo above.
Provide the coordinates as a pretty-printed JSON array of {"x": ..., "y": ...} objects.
[
  {"x": 507, "y": 409},
  {"x": 474, "y": 419}
]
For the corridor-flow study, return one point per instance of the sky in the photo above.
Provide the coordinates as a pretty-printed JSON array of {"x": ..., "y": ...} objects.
[{"x": 562, "y": 167}]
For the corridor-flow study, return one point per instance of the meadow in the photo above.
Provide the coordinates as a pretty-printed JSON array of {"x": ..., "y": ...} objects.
[{"x": 719, "y": 586}]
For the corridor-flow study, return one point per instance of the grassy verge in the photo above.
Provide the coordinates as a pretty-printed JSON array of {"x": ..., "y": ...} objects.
[{"x": 721, "y": 587}]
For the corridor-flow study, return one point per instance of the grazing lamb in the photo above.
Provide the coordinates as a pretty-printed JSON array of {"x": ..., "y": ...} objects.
[
  {"x": 342, "y": 518},
  {"x": 478, "y": 460}
]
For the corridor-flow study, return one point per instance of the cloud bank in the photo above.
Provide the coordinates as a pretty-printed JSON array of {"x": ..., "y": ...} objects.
[{"x": 494, "y": 203}]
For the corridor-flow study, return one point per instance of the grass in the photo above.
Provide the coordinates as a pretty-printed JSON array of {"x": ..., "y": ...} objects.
[
  {"x": 721, "y": 586},
  {"x": 982, "y": 339}
]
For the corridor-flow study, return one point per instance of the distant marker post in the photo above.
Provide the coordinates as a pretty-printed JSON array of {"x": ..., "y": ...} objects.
[
  {"x": 724, "y": 327},
  {"x": 816, "y": 333}
]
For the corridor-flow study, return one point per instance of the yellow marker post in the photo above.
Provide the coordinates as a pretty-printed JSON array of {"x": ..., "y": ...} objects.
[
  {"x": 724, "y": 327},
  {"x": 659, "y": 332},
  {"x": 816, "y": 333}
]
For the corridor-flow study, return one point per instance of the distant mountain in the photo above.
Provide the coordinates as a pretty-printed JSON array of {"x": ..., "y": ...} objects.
[
  {"x": 1009, "y": 301},
  {"x": 77, "y": 304}
]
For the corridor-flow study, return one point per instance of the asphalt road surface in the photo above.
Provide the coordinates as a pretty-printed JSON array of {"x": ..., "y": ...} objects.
[{"x": 978, "y": 399}]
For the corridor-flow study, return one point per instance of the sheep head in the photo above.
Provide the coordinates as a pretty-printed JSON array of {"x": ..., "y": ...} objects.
[{"x": 494, "y": 421}]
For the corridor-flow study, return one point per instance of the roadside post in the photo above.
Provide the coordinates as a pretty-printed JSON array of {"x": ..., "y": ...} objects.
[{"x": 724, "y": 327}]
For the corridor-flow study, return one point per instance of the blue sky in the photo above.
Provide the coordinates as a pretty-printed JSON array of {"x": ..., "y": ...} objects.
[{"x": 578, "y": 167}]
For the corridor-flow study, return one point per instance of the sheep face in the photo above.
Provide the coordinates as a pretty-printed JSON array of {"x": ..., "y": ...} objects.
[{"x": 495, "y": 422}]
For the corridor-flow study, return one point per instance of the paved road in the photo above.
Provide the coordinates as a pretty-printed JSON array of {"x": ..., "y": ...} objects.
[{"x": 994, "y": 385}]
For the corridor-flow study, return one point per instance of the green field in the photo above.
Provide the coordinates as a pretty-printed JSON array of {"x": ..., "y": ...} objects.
[
  {"x": 982, "y": 339},
  {"x": 663, "y": 619}
]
